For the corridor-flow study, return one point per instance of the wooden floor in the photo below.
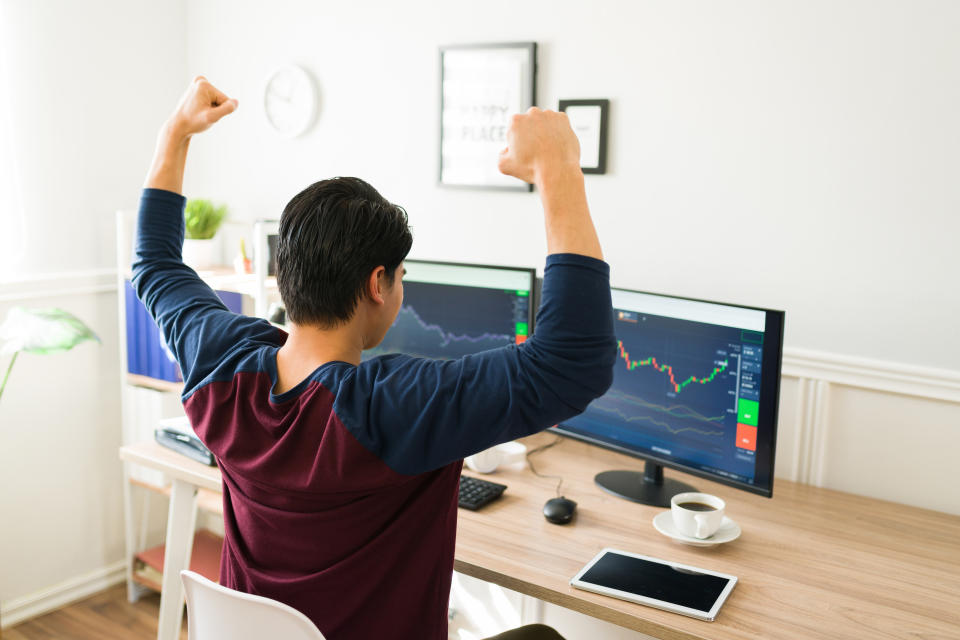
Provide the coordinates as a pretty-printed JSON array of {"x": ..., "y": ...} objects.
[{"x": 106, "y": 615}]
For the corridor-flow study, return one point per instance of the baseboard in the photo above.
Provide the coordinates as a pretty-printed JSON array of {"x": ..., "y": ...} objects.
[{"x": 17, "y": 610}]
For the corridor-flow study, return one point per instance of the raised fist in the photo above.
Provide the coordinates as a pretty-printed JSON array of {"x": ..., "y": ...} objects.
[
  {"x": 539, "y": 142},
  {"x": 200, "y": 107}
]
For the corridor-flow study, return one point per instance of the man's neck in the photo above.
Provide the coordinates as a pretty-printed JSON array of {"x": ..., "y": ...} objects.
[{"x": 307, "y": 347}]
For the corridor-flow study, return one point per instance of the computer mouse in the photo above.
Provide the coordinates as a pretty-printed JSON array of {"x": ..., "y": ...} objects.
[{"x": 559, "y": 510}]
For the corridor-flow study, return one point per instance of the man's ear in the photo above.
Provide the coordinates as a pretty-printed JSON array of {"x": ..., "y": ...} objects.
[{"x": 377, "y": 284}]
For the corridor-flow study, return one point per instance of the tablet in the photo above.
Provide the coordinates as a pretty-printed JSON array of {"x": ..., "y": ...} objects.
[{"x": 656, "y": 583}]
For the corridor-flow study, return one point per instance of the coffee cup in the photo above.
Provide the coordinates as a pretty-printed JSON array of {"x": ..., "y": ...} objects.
[
  {"x": 697, "y": 515},
  {"x": 488, "y": 460}
]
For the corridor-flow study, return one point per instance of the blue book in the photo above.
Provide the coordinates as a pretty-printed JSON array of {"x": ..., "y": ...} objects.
[{"x": 147, "y": 353}]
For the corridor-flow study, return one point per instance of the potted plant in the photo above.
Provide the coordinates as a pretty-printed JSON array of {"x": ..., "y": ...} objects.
[
  {"x": 201, "y": 247},
  {"x": 40, "y": 331}
]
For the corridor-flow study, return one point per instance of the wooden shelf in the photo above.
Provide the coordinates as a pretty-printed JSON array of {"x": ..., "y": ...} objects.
[
  {"x": 204, "y": 559},
  {"x": 149, "y": 584},
  {"x": 210, "y": 501},
  {"x": 156, "y": 384}
]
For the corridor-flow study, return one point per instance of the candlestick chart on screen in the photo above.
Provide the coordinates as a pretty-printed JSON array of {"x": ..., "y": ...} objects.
[{"x": 678, "y": 389}]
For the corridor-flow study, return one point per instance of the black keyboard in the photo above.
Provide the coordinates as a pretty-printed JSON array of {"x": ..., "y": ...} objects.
[{"x": 475, "y": 493}]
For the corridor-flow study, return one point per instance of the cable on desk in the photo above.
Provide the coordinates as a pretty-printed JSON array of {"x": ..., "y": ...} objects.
[{"x": 537, "y": 473}]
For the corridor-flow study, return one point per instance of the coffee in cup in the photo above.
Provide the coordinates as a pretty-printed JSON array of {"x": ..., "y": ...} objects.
[{"x": 697, "y": 515}]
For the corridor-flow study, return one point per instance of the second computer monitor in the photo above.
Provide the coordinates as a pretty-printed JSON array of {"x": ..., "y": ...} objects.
[
  {"x": 451, "y": 310},
  {"x": 696, "y": 388}
]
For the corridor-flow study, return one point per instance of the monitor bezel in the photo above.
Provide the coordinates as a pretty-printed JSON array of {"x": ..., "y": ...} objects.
[
  {"x": 534, "y": 299},
  {"x": 769, "y": 405}
]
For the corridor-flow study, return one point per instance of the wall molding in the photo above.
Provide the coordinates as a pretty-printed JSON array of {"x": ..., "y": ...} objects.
[
  {"x": 17, "y": 610},
  {"x": 818, "y": 372},
  {"x": 875, "y": 375},
  {"x": 811, "y": 424},
  {"x": 58, "y": 285}
]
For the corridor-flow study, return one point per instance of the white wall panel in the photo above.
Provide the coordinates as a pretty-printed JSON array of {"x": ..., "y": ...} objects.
[
  {"x": 894, "y": 448},
  {"x": 61, "y": 477}
]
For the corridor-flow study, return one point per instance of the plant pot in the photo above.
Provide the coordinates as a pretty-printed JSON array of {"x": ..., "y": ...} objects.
[{"x": 202, "y": 254}]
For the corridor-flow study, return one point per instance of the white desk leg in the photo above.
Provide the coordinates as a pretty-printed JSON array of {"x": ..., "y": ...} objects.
[
  {"x": 133, "y": 593},
  {"x": 531, "y": 610},
  {"x": 179, "y": 544}
]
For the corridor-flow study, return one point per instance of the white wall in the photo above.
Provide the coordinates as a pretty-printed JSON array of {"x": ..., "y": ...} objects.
[
  {"x": 798, "y": 154},
  {"x": 90, "y": 84}
]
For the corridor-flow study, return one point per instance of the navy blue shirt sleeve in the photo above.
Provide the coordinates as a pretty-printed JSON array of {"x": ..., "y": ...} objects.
[
  {"x": 195, "y": 324},
  {"x": 418, "y": 414}
]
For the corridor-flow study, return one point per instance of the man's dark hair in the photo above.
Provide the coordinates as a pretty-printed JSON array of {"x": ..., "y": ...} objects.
[{"x": 333, "y": 234}]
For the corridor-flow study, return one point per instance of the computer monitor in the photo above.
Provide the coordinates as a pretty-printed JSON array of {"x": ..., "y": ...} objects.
[
  {"x": 696, "y": 388},
  {"x": 451, "y": 310}
]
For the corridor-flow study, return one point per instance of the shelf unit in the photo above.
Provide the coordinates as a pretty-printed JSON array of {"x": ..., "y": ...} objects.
[
  {"x": 145, "y": 400},
  {"x": 204, "y": 559}
]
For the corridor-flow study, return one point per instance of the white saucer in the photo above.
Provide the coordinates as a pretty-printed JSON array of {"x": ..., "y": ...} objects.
[{"x": 728, "y": 531}]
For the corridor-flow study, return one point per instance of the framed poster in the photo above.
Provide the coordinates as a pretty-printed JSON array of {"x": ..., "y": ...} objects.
[
  {"x": 481, "y": 87},
  {"x": 589, "y": 121}
]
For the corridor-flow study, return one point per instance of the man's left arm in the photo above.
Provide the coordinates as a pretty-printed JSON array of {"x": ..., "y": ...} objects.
[{"x": 194, "y": 322}]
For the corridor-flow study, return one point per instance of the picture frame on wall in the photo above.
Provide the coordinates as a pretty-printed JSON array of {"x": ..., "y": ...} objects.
[
  {"x": 481, "y": 87},
  {"x": 589, "y": 121}
]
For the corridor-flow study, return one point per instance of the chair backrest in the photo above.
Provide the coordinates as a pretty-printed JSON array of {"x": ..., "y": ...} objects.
[{"x": 215, "y": 612}]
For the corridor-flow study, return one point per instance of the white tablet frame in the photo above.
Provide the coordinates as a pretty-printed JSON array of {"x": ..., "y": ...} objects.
[{"x": 652, "y": 602}]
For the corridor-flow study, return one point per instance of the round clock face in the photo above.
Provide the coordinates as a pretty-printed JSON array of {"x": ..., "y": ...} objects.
[{"x": 290, "y": 101}]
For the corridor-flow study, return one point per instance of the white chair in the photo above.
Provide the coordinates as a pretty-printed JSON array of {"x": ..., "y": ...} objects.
[{"x": 215, "y": 612}]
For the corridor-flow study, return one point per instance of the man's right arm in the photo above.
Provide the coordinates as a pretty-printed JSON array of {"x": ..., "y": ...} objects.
[
  {"x": 419, "y": 414},
  {"x": 542, "y": 149}
]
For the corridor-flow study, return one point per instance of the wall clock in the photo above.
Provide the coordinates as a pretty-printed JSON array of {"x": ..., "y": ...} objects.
[{"x": 290, "y": 101}]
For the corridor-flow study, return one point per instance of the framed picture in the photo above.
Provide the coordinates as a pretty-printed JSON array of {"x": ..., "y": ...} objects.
[
  {"x": 589, "y": 121},
  {"x": 481, "y": 87}
]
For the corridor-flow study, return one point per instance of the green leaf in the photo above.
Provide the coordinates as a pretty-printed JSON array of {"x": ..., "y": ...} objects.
[
  {"x": 202, "y": 219},
  {"x": 42, "y": 331},
  {"x": 3, "y": 385}
]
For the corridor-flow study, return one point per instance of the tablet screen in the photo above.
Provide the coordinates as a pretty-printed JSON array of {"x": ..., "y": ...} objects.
[{"x": 656, "y": 580}]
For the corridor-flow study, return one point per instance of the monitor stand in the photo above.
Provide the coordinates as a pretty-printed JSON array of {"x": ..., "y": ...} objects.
[{"x": 649, "y": 487}]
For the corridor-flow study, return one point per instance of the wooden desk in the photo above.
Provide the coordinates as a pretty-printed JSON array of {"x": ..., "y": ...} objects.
[{"x": 812, "y": 563}]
